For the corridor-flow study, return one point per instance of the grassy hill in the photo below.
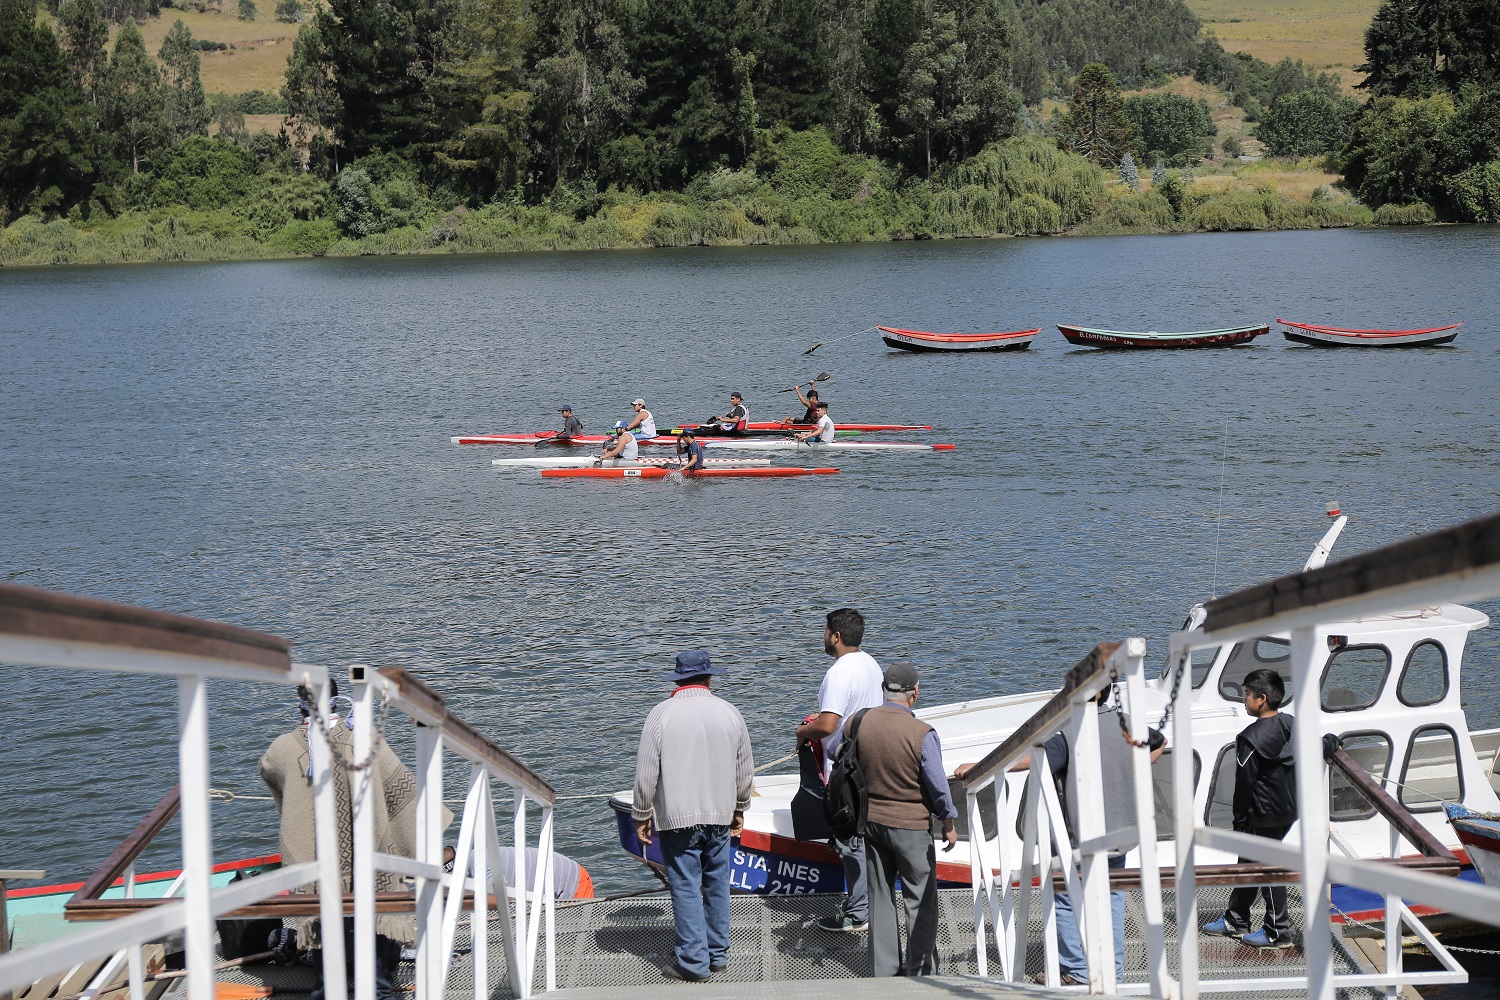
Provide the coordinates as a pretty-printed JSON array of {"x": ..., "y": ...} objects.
[
  {"x": 257, "y": 60},
  {"x": 1324, "y": 34}
]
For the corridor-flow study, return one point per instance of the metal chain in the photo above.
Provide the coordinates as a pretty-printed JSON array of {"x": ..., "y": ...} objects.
[
  {"x": 1161, "y": 727},
  {"x": 351, "y": 766},
  {"x": 1381, "y": 930}
]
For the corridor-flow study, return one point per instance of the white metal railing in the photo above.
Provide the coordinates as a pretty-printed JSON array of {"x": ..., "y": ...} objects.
[
  {"x": 55, "y": 630},
  {"x": 1461, "y": 564}
]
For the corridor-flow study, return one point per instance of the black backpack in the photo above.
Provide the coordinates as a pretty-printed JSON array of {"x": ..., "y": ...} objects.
[{"x": 846, "y": 799}]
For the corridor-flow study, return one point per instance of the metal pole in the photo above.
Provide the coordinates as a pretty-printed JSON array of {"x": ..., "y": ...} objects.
[
  {"x": 526, "y": 945},
  {"x": 326, "y": 831},
  {"x": 483, "y": 885},
  {"x": 197, "y": 832},
  {"x": 1162, "y": 985},
  {"x": 1086, "y": 791},
  {"x": 1312, "y": 811},
  {"x": 1184, "y": 821},
  {"x": 362, "y": 782},
  {"x": 133, "y": 953}
]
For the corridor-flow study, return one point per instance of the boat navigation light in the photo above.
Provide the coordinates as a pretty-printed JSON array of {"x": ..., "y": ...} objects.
[
  {"x": 1337, "y": 642},
  {"x": 1333, "y": 508}
]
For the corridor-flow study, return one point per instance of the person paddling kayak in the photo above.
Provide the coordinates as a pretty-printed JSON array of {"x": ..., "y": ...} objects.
[
  {"x": 571, "y": 426},
  {"x": 643, "y": 424},
  {"x": 810, "y": 401},
  {"x": 623, "y": 446},
  {"x": 691, "y": 451},
  {"x": 823, "y": 432},
  {"x": 733, "y": 422}
]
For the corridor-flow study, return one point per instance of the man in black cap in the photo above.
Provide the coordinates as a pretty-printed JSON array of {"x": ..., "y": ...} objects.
[
  {"x": 572, "y": 426},
  {"x": 693, "y": 775},
  {"x": 690, "y": 450},
  {"x": 902, "y": 762}
]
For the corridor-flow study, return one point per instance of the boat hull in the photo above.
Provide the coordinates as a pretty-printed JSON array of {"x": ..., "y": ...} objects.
[
  {"x": 1332, "y": 336},
  {"x": 922, "y": 341},
  {"x": 787, "y": 427},
  {"x": 1480, "y": 835},
  {"x": 802, "y": 446},
  {"x": 590, "y": 461},
  {"x": 619, "y": 472},
  {"x": 1123, "y": 339}
]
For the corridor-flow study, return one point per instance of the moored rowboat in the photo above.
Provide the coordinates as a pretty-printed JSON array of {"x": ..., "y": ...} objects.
[
  {"x": 1479, "y": 832},
  {"x": 1227, "y": 337},
  {"x": 921, "y": 340},
  {"x": 1337, "y": 336}
]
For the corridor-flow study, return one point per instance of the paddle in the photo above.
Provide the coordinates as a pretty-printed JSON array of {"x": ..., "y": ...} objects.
[
  {"x": 835, "y": 340},
  {"x": 820, "y": 377}
]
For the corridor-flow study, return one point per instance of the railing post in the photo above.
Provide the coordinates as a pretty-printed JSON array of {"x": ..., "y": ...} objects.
[
  {"x": 361, "y": 783},
  {"x": 525, "y": 945},
  {"x": 1312, "y": 810},
  {"x": 483, "y": 862},
  {"x": 133, "y": 956},
  {"x": 1033, "y": 835},
  {"x": 330, "y": 868},
  {"x": 1085, "y": 791},
  {"x": 546, "y": 887},
  {"x": 197, "y": 832},
  {"x": 429, "y": 845},
  {"x": 1162, "y": 984},
  {"x": 1184, "y": 821}
]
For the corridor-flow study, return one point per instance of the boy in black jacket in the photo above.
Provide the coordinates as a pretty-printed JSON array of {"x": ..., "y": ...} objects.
[{"x": 1265, "y": 804}]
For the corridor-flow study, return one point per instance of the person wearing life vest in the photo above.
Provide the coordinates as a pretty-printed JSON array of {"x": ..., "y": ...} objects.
[
  {"x": 736, "y": 421},
  {"x": 623, "y": 445}
]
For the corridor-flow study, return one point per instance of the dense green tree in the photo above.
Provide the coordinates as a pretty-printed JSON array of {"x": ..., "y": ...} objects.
[
  {"x": 247, "y": 10},
  {"x": 1171, "y": 126},
  {"x": 312, "y": 100},
  {"x": 183, "y": 102},
  {"x": 1417, "y": 47},
  {"x": 85, "y": 44},
  {"x": 289, "y": 11},
  {"x": 1476, "y": 192},
  {"x": 131, "y": 100},
  {"x": 1254, "y": 84},
  {"x": 49, "y": 156},
  {"x": 120, "y": 11},
  {"x": 891, "y": 28},
  {"x": 1143, "y": 42},
  {"x": 1393, "y": 152},
  {"x": 1094, "y": 124},
  {"x": 1307, "y": 124},
  {"x": 202, "y": 172}
]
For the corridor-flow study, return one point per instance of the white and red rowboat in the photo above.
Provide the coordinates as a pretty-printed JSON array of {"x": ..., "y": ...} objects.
[
  {"x": 1337, "y": 336},
  {"x": 590, "y": 461},
  {"x": 921, "y": 340},
  {"x": 658, "y": 472},
  {"x": 771, "y": 444}
]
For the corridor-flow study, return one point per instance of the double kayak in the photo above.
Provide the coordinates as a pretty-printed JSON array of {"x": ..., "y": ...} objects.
[
  {"x": 550, "y": 439},
  {"x": 660, "y": 472},
  {"x": 589, "y": 461}
]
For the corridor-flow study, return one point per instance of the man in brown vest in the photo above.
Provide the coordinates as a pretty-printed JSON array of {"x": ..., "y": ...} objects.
[{"x": 902, "y": 762}]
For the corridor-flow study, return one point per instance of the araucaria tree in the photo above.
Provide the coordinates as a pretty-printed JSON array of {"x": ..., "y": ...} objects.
[{"x": 1095, "y": 125}]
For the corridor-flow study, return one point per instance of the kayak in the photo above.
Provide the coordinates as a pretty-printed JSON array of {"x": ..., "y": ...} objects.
[
  {"x": 547, "y": 440},
  {"x": 656, "y": 472},
  {"x": 589, "y": 461},
  {"x": 765, "y": 425},
  {"x": 789, "y": 445}
]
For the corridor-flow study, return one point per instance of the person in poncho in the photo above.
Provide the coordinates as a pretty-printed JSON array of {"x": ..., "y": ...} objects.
[{"x": 286, "y": 769}]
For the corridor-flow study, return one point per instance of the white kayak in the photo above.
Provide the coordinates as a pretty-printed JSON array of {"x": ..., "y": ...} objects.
[
  {"x": 586, "y": 461},
  {"x": 762, "y": 444}
]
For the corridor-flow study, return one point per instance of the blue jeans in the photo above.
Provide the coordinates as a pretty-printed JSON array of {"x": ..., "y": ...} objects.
[
  {"x": 1070, "y": 956},
  {"x": 697, "y": 859}
]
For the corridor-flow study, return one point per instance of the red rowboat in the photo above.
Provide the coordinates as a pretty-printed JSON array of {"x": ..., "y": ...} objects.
[
  {"x": 1227, "y": 337},
  {"x": 1336, "y": 336},
  {"x": 919, "y": 340}
]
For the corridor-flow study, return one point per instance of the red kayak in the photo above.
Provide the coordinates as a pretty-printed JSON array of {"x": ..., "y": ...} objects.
[
  {"x": 754, "y": 472},
  {"x": 921, "y": 340},
  {"x": 1337, "y": 336}
]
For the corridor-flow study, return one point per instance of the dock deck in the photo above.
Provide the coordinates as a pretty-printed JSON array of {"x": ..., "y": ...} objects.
[{"x": 615, "y": 949}]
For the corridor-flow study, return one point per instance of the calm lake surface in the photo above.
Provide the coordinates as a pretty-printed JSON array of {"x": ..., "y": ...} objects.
[{"x": 267, "y": 444}]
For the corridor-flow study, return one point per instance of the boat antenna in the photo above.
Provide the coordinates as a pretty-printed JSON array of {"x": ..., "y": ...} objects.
[{"x": 1219, "y": 512}]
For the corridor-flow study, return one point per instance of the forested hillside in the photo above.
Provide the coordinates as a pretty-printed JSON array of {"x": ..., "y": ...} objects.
[{"x": 491, "y": 124}]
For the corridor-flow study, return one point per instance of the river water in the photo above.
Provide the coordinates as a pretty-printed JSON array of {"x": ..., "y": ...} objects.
[{"x": 267, "y": 444}]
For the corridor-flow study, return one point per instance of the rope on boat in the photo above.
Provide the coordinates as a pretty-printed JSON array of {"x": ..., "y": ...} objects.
[{"x": 835, "y": 340}]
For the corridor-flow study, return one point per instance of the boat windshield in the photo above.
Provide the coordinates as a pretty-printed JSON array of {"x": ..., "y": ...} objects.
[
  {"x": 1203, "y": 661},
  {"x": 1275, "y": 654}
]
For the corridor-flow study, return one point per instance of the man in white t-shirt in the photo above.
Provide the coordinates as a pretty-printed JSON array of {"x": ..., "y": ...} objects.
[
  {"x": 821, "y": 434},
  {"x": 851, "y": 684}
]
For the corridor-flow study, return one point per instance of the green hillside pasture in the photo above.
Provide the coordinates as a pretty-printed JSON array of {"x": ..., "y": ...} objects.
[
  {"x": 258, "y": 59},
  {"x": 1324, "y": 34}
]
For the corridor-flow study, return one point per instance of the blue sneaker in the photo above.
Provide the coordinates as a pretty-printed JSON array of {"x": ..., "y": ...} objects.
[
  {"x": 1262, "y": 939},
  {"x": 1224, "y": 927}
]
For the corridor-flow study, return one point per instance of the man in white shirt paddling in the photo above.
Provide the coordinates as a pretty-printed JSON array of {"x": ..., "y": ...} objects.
[
  {"x": 823, "y": 432},
  {"x": 623, "y": 447},
  {"x": 643, "y": 424},
  {"x": 852, "y": 683}
]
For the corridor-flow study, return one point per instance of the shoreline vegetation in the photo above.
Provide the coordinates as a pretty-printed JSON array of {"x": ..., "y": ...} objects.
[{"x": 483, "y": 126}]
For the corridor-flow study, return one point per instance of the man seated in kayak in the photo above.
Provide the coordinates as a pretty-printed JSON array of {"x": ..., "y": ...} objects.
[
  {"x": 571, "y": 427},
  {"x": 733, "y": 422},
  {"x": 823, "y": 432},
  {"x": 691, "y": 451},
  {"x": 623, "y": 447},
  {"x": 643, "y": 424},
  {"x": 809, "y": 415}
]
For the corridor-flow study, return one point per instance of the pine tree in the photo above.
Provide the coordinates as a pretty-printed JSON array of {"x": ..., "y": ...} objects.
[
  {"x": 1158, "y": 173},
  {"x": 131, "y": 99},
  {"x": 85, "y": 44},
  {"x": 1094, "y": 124},
  {"x": 1130, "y": 173},
  {"x": 182, "y": 90}
]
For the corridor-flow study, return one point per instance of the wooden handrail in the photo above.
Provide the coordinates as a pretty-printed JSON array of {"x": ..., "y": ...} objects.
[
  {"x": 294, "y": 904},
  {"x": 45, "y": 614},
  {"x": 123, "y": 856},
  {"x": 1394, "y": 812},
  {"x": 1086, "y": 675},
  {"x": 1462, "y": 549}
]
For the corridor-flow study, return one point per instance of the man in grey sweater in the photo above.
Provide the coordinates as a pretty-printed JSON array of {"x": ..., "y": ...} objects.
[{"x": 693, "y": 774}]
